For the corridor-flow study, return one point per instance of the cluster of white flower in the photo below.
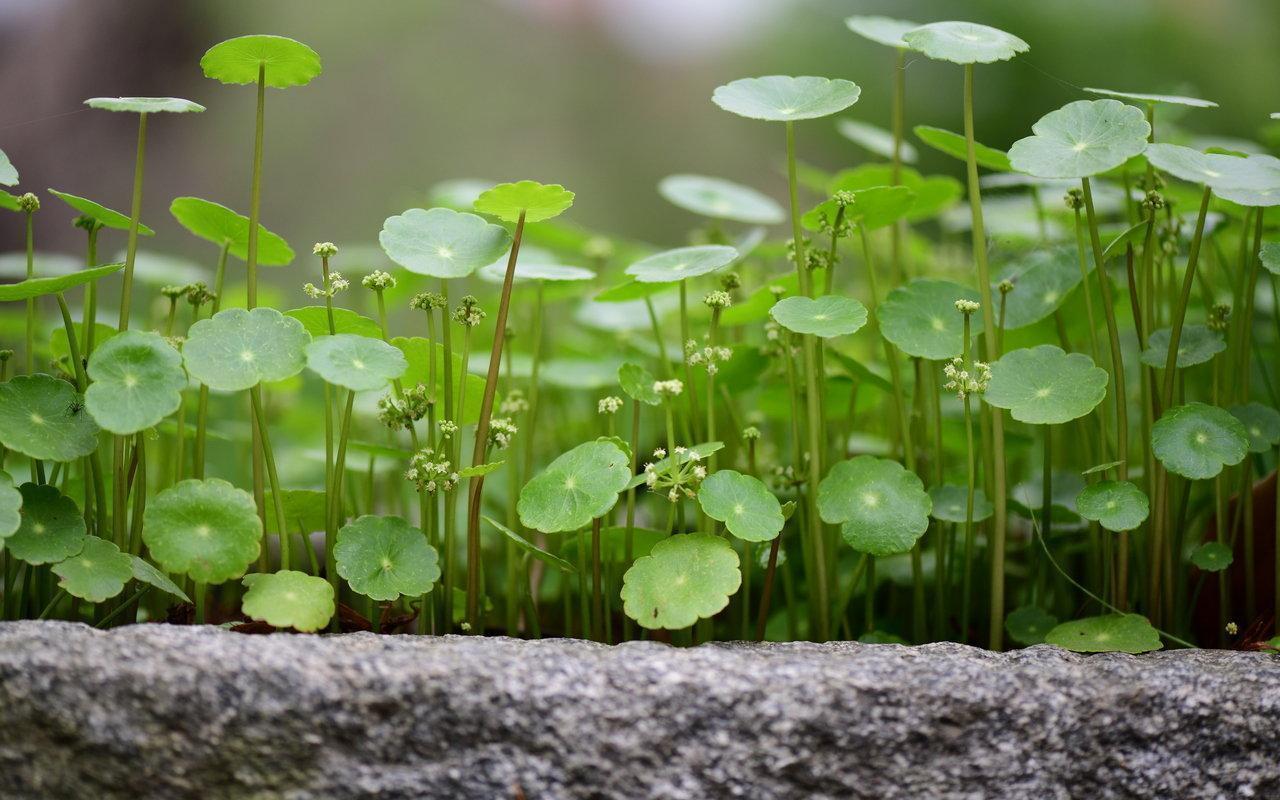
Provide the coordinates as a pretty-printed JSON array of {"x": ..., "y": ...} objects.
[
  {"x": 335, "y": 283},
  {"x": 669, "y": 388},
  {"x": 710, "y": 357},
  {"x": 514, "y": 403},
  {"x": 378, "y": 280},
  {"x": 609, "y": 405},
  {"x": 501, "y": 431},
  {"x": 967, "y": 306},
  {"x": 431, "y": 473},
  {"x": 678, "y": 476},
  {"x": 325, "y": 249},
  {"x": 717, "y": 299},
  {"x": 965, "y": 382},
  {"x": 448, "y": 428},
  {"x": 468, "y": 313}
]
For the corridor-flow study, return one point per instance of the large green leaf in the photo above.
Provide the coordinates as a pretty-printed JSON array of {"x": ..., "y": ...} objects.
[
  {"x": 1261, "y": 424},
  {"x": 355, "y": 362},
  {"x": 98, "y": 572},
  {"x": 289, "y": 599},
  {"x": 672, "y": 266},
  {"x": 930, "y": 195},
  {"x": 1196, "y": 440},
  {"x": 1081, "y": 139},
  {"x": 881, "y": 507},
  {"x": 964, "y": 42},
  {"x": 575, "y": 488},
  {"x": 239, "y": 348},
  {"x": 537, "y": 202},
  {"x": 144, "y": 572},
  {"x": 39, "y": 287},
  {"x": 282, "y": 62},
  {"x": 216, "y": 223},
  {"x": 882, "y": 30},
  {"x": 827, "y": 316},
  {"x": 44, "y": 418},
  {"x": 876, "y": 141},
  {"x": 207, "y": 530},
  {"x": 954, "y": 145},
  {"x": 720, "y": 199},
  {"x": 1197, "y": 344},
  {"x": 781, "y": 98},
  {"x": 144, "y": 105},
  {"x": 1045, "y": 386},
  {"x": 743, "y": 503},
  {"x": 442, "y": 243},
  {"x": 1040, "y": 286},
  {"x": 1155, "y": 99},
  {"x": 385, "y": 557},
  {"x": 950, "y": 503},
  {"x": 684, "y": 579},
  {"x": 1115, "y": 505},
  {"x": 10, "y": 507},
  {"x": 8, "y": 175},
  {"x": 921, "y": 320},
  {"x": 52, "y": 527},
  {"x": 1111, "y": 633},
  {"x": 137, "y": 381}
]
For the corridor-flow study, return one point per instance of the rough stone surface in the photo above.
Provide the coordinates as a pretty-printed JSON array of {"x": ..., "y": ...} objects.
[{"x": 169, "y": 712}]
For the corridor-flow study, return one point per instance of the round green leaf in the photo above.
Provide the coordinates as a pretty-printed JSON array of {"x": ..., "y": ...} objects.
[
  {"x": 577, "y": 487},
  {"x": 876, "y": 141},
  {"x": 533, "y": 270},
  {"x": 1266, "y": 171},
  {"x": 684, "y": 579},
  {"x": 1041, "y": 286},
  {"x": 10, "y": 507},
  {"x": 1155, "y": 99},
  {"x": 828, "y": 316},
  {"x": 316, "y": 320},
  {"x": 1270, "y": 256},
  {"x": 1045, "y": 386},
  {"x": 144, "y": 105},
  {"x": 283, "y": 62},
  {"x": 288, "y": 599},
  {"x": 44, "y": 418},
  {"x": 103, "y": 215},
  {"x": 536, "y": 201},
  {"x": 1196, "y": 440},
  {"x": 137, "y": 381},
  {"x": 216, "y": 223},
  {"x": 1197, "y": 344},
  {"x": 671, "y": 266},
  {"x": 8, "y": 175},
  {"x": 442, "y": 243},
  {"x": 955, "y": 145},
  {"x": 1115, "y": 505},
  {"x": 1081, "y": 139},
  {"x": 743, "y": 503},
  {"x": 720, "y": 199},
  {"x": 207, "y": 530},
  {"x": 52, "y": 527},
  {"x": 921, "y": 319},
  {"x": 385, "y": 557},
  {"x": 355, "y": 362},
  {"x": 949, "y": 502},
  {"x": 1261, "y": 425},
  {"x": 931, "y": 195},
  {"x": 881, "y": 507},
  {"x": 1110, "y": 633},
  {"x": 1212, "y": 556},
  {"x": 239, "y": 348},
  {"x": 39, "y": 287},
  {"x": 145, "y": 573},
  {"x": 881, "y": 30},
  {"x": 964, "y": 42},
  {"x": 638, "y": 382},
  {"x": 98, "y": 572},
  {"x": 781, "y": 98},
  {"x": 1029, "y": 625},
  {"x": 1218, "y": 172}
]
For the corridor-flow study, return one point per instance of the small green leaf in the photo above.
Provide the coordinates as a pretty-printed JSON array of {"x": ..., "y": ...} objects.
[
  {"x": 477, "y": 470},
  {"x": 282, "y": 62},
  {"x": 316, "y": 320},
  {"x": 8, "y": 175},
  {"x": 239, "y": 348},
  {"x": 955, "y": 145},
  {"x": 52, "y": 527},
  {"x": 1101, "y": 467},
  {"x": 385, "y": 557},
  {"x": 137, "y": 381},
  {"x": 876, "y": 141},
  {"x": 1270, "y": 255},
  {"x": 684, "y": 578},
  {"x": 528, "y": 270},
  {"x": 1045, "y": 386},
  {"x": 1155, "y": 99},
  {"x": 931, "y": 195},
  {"x": 1261, "y": 425},
  {"x": 1115, "y": 505},
  {"x": 288, "y": 599},
  {"x": 216, "y": 223},
  {"x": 1082, "y": 139},
  {"x": 207, "y": 530},
  {"x": 10, "y": 507},
  {"x": 950, "y": 501},
  {"x": 144, "y": 572},
  {"x": 964, "y": 42},
  {"x": 881, "y": 30},
  {"x": 638, "y": 382},
  {"x": 1196, "y": 440},
  {"x": 1110, "y": 633},
  {"x": 720, "y": 199},
  {"x": 39, "y": 287},
  {"x": 1196, "y": 345},
  {"x": 881, "y": 507},
  {"x": 144, "y": 105},
  {"x": 743, "y": 503},
  {"x": 671, "y": 266},
  {"x": 575, "y": 488},
  {"x": 531, "y": 548},
  {"x": 1212, "y": 556},
  {"x": 1029, "y": 625},
  {"x": 1040, "y": 286},
  {"x": 536, "y": 201},
  {"x": 98, "y": 572},
  {"x": 781, "y": 98},
  {"x": 44, "y": 418},
  {"x": 872, "y": 208},
  {"x": 827, "y": 316},
  {"x": 355, "y": 362},
  {"x": 103, "y": 215},
  {"x": 442, "y": 243},
  {"x": 921, "y": 320}
]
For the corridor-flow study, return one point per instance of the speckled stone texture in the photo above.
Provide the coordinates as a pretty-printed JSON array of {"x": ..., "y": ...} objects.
[{"x": 168, "y": 712}]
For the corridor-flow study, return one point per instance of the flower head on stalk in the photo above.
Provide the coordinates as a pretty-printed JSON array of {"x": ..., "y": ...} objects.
[
  {"x": 669, "y": 388},
  {"x": 501, "y": 431},
  {"x": 676, "y": 477},
  {"x": 431, "y": 472},
  {"x": 427, "y": 301},
  {"x": 468, "y": 313},
  {"x": 198, "y": 294},
  {"x": 609, "y": 405},
  {"x": 324, "y": 249},
  {"x": 514, "y": 403},
  {"x": 378, "y": 281},
  {"x": 332, "y": 285},
  {"x": 397, "y": 413}
]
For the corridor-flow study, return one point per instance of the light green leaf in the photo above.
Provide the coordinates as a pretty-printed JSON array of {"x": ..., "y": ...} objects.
[
  {"x": 876, "y": 141},
  {"x": 781, "y": 98},
  {"x": 1110, "y": 633},
  {"x": 282, "y": 62},
  {"x": 316, "y": 320},
  {"x": 385, "y": 557},
  {"x": 10, "y": 507},
  {"x": 98, "y": 572},
  {"x": 1155, "y": 99},
  {"x": 216, "y": 223},
  {"x": 144, "y": 105},
  {"x": 477, "y": 470},
  {"x": 137, "y": 381},
  {"x": 52, "y": 527},
  {"x": 207, "y": 530},
  {"x": 1196, "y": 440},
  {"x": 1270, "y": 256},
  {"x": 144, "y": 572},
  {"x": 881, "y": 507},
  {"x": 288, "y": 599},
  {"x": 355, "y": 362},
  {"x": 536, "y": 201},
  {"x": 417, "y": 352},
  {"x": 1218, "y": 172},
  {"x": 743, "y": 503},
  {"x": 1081, "y": 139},
  {"x": 638, "y": 382},
  {"x": 1115, "y": 505},
  {"x": 964, "y": 42},
  {"x": 949, "y": 502},
  {"x": 442, "y": 243},
  {"x": 534, "y": 271},
  {"x": 931, "y": 195},
  {"x": 826, "y": 317},
  {"x": 881, "y": 30},
  {"x": 954, "y": 145},
  {"x": 105, "y": 216},
  {"x": 720, "y": 199},
  {"x": 8, "y": 175},
  {"x": 39, "y": 287},
  {"x": 1261, "y": 425},
  {"x": 1212, "y": 556},
  {"x": 529, "y": 547},
  {"x": 872, "y": 208},
  {"x": 1266, "y": 171},
  {"x": 1040, "y": 287},
  {"x": 1197, "y": 344},
  {"x": 238, "y": 348},
  {"x": 921, "y": 320},
  {"x": 684, "y": 578},
  {"x": 44, "y": 418},
  {"x": 1029, "y": 625},
  {"x": 575, "y": 488},
  {"x": 671, "y": 266},
  {"x": 1045, "y": 386}
]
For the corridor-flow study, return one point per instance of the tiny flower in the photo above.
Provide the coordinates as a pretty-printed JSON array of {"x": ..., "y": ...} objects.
[
  {"x": 1153, "y": 200},
  {"x": 501, "y": 431},
  {"x": 86, "y": 223},
  {"x": 669, "y": 388},
  {"x": 730, "y": 281},
  {"x": 198, "y": 294},
  {"x": 431, "y": 472},
  {"x": 844, "y": 198},
  {"x": 700, "y": 472},
  {"x": 1005, "y": 286},
  {"x": 468, "y": 313},
  {"x": 660, "y": 452},
  {"x": 427, "y": 301},
  {"x": 378, "y": 281},
  {"x": 448, "y": 428},
  {"x": 1232, "y": 629},
  {"x": 967, "y": 307},
  {"x": 174, "y": 292},
  {"x": 718, "y": 299},
  {"x": 750, "y": 433},
  {"x": 29, "y": 203},
  {"x": 514, "y": 403},
  {"x": 175, "y": 341},
  {"x": 325, "y": 249},
  {"x": 5, "y": 355},
  {"x": 1218, "y": 316},
  {"x": 609, "y": 405},
  {"x": 1074, "y": 199}
]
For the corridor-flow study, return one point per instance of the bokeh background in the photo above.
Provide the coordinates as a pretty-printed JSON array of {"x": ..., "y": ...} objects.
[{"x": 604, "y": 96}]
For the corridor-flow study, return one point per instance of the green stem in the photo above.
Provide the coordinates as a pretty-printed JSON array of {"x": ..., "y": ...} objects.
[
  {"x": 255, "y": 396},
  {"x": 30, "y": 353},
  {"x": 629, "y": 540},
  {"x": 202, "y": 407},
  {"x": 90, "y": 319},
  {"x": 135, "y": 214}
]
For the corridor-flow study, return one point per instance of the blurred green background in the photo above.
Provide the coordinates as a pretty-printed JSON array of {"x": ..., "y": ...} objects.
[{"x": 604, "y": 96}]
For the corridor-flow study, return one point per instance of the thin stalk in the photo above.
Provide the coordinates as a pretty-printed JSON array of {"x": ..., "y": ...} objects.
[
  {"x": 685, "y": 338},
  {"x": 966, "y": 587},
  {"x": 202, "y": 407},
  {"x": 251, "y": 261},
  {"x": 629, "y": 540},
  {"x": 255, "y": 397},
  {"x": 135, "y": 214},
  {"x": 333, "y": 514},
  {"x": 90, "y": 317},
  {"x": 597, "y": 586},
  {"x": 898, "y": 231},
  {"x": 450, "y": 500},
  {"x": 30, "y": 353}
]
